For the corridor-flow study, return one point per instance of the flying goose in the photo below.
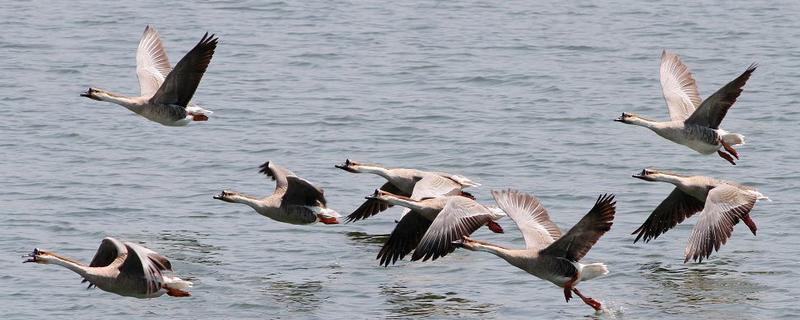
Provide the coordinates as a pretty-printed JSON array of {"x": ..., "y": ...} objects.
[
  {"x": 721, "y": 205},
  {"x": 405, "y": 182},
  {"x": 693, "y": 123},
  {"x": 432, "y": 224},
  {"x": 126, "y": 269},
  {"x": 549, "y": 255},
  {"x": 165, "y": 92},
  {"x": 294, "y": 200}
]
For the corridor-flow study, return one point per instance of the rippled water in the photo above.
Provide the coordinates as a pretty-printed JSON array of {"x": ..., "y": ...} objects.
[{"x": 509, "y": 93}]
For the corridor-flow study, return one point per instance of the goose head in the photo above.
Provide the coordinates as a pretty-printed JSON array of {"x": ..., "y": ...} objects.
[
  {"x": 628, "y": 117},
  {"x": 648, "y": 175},
  {"x": 386, "y": 196},
  {"x": 228, "y": 196},
  {"x": 350, "y": 166},
  {"x": 97, "y": 94},
  {"x": 41, "y": 256}
]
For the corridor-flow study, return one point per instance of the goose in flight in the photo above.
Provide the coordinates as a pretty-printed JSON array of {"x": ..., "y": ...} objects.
[
  {"x": 721, "y": 205},
  {"x": 694, "y": 123},
  {"x": 549, "y": 255},
  {"x": 165, "y": 92},
  {"x": 127, "y": 269},
  {"x": 432, "y": 224},
  {"x": 294, "y": 201},
  {"x": 412, "y": 183}
]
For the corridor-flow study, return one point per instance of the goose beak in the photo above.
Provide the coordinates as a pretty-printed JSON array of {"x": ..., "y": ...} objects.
[
  {"x": 31, "y": 256},
  {"x": 618, "y": 119},
  {"x": 642, "y": 175},
  {"x": 89, "y": 94}
]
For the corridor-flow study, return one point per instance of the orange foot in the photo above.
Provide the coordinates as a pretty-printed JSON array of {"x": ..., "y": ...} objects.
[
  {"x": 593, "y": 303},
  {"x": 199, "y": 117},
  {"x": 177, "y": 292},
  {"x": 726, "y": 157}
]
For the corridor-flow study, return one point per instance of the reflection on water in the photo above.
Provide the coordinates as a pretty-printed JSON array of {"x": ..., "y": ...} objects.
[
  {"x": 185, "y": 245},
  {"x": 699, "y": 285},
  {"x": 296, "y": 296},
  {"x": 405, "y": 302},
  {"x": 367, "y": 239}
]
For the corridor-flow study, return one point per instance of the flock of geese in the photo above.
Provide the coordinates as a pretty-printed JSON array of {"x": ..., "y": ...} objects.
[{"x": 439, "y": 216}]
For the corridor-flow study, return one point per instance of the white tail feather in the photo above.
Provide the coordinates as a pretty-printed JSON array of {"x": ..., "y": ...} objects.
[
  {"x": 329, "y": 213},
  {"x": 176, "y": 283},
  {"x": 593, "y": 270},
  {"x": 733, "y": 139}
]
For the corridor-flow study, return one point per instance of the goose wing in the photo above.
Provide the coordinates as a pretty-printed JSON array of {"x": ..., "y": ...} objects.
[
  {"x": 578, "y": 240},
  {"x": 110, "y": 249},
  {"x": 725, "y": 205},
  {"x": 404, "y": 238},
  {"x": 711, "y": 112},
  {"x": 180, "y": 84},
  {"x": 433, "y": 185},
  {"x": 300, "y": 192},
  {"x": 673, "y": 210},
  {"x": 530, "y": 216},
  {"x": 678, "y": 86},
  {"x": 152, "y": 64},
  {"x": 146, "y": 266},
  {"x": 460, "y": 217},
  {"x": 277, "y": 173},
  {"x": 371, "y": 207}
]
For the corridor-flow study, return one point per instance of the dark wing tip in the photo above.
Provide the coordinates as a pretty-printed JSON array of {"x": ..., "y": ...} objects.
[{"x": 265, "y": 169}]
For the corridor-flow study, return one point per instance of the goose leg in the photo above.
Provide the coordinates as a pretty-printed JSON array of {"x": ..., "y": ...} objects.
[
  {"x": 726, "y": 157},
  {"x": 199, "y": 117},
  {"x": 591, "y": 302},
  {"x": 730, "y": 149}
]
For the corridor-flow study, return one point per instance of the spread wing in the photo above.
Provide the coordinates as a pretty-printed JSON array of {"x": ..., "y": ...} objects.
[
  {"x": 300, "y": 192},
  {"x": 277, "y": 173},
  {"x": 434, "y": 185},
  {"x": 678, "y": 86},
  {"x": 180, "y": 84},
  {"x": 725, "y": 205},
  {"x": 460, "y": 217},
  {"x": 711, "y": 112},
  {"x": 152, "y": 65},
  {"x": 110, "y": 249},
  {"x": 578, "y": 240},
  {"x": 530, "y": 216},
  {"x": 140, "y": 266},
  {"x": 372, "y": 207},
  {"x": 673, "y": 210},
  {"x": 404, "y": 238}
]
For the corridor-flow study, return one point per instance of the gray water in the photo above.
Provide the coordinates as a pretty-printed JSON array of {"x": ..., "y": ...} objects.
[{"x": 509, "y": 93}]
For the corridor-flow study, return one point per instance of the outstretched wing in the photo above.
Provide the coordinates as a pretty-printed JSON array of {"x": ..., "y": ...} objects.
[
  {"x": 180, "y": 84},
  {"x": 711, "y": 112},
  {"x": 578, "y": 240},
  {"x": 725, "y": 205},
  {"x": 139, "y": 266},
  {"x": 678, "y": 86},
  {"x": 460, "y": 217},
  {"x": 673, "y": 210},
  {"x": 372, "y": 207},
  {"x": 300, "y": 192},
  {"x": 404, "y": 238},
  {"x": 152, "y": 64},
  {"x": 110, "y": 249},
  {"x": 277, "y": 173},
  {"x": 530, "y": 216}
]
